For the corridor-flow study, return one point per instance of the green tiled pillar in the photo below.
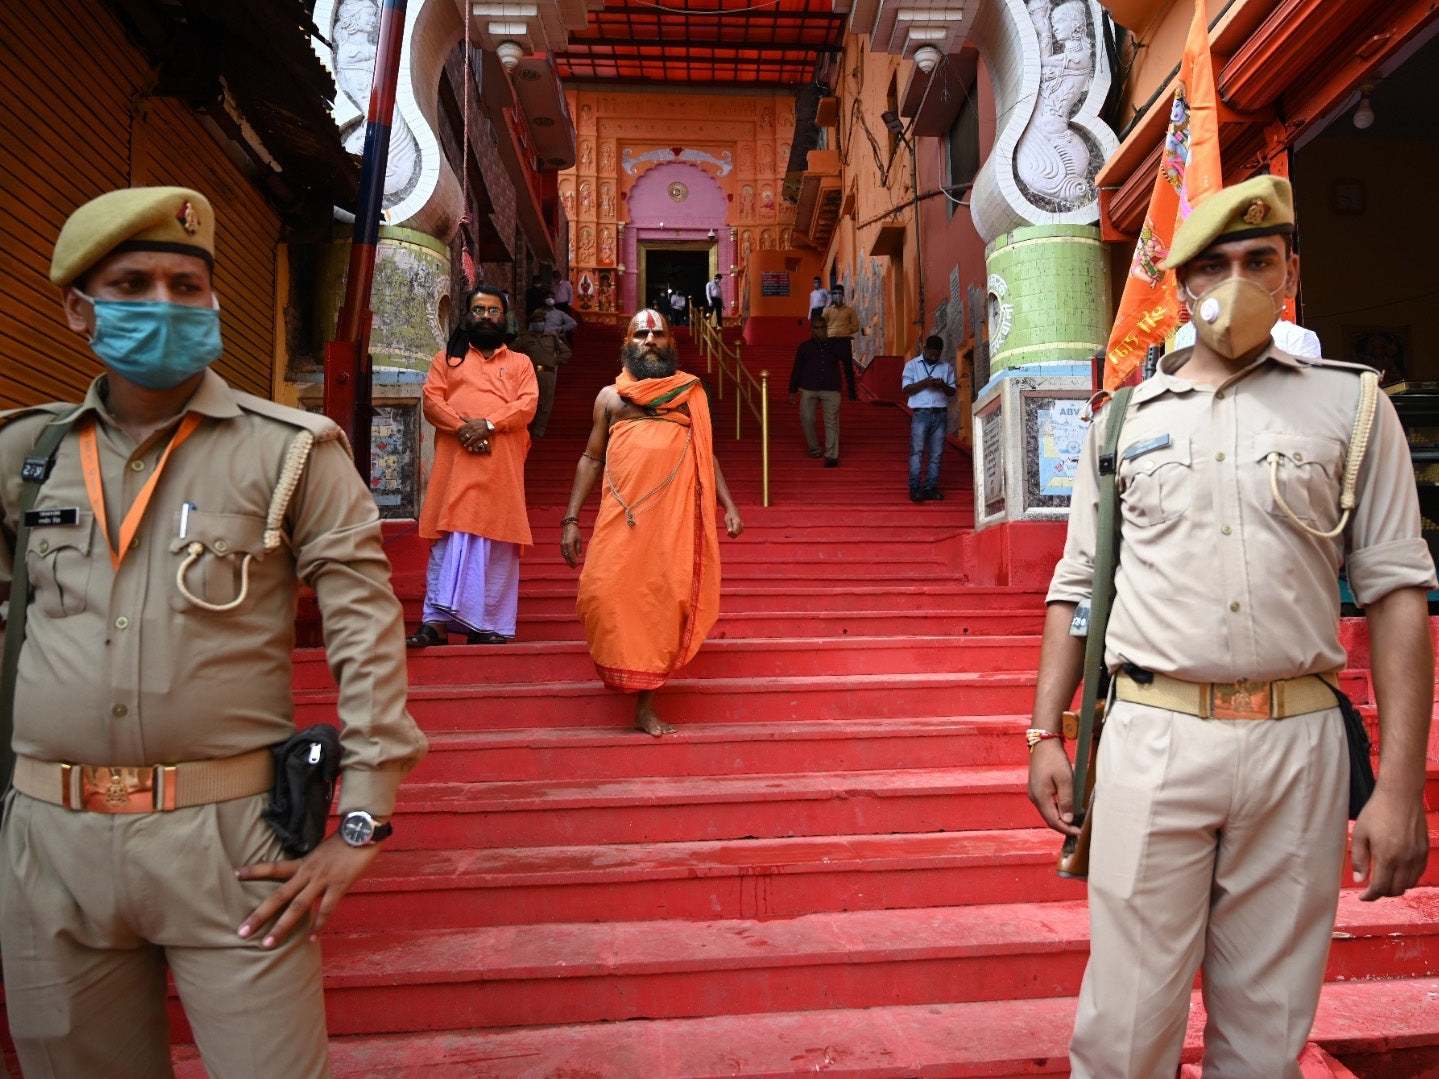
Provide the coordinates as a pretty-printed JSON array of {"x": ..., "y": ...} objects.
[
  {"x": 1048, "y": 296},
  {"x": 1048, "y": 312}
]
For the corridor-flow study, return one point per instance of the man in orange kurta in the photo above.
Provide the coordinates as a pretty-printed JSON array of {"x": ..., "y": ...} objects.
[
  {"x": 480, "y": 396},
  {"x": 649, "y": 591}
]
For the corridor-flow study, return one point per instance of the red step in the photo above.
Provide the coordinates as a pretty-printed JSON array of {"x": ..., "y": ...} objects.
[{"x": 1380, "y": 1029}]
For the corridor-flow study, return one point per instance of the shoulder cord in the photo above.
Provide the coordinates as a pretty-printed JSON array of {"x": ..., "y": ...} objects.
[
  {"x": 296, "y": 457},
  {"x": 630, "y": 509},
  {"x": 1358, "y": 444}
]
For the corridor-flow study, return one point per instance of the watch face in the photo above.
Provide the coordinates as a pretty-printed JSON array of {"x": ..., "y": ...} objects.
[{"x": 357, "y": 829}]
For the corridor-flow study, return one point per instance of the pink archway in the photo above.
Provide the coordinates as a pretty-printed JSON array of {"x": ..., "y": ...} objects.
[{"x": 654, "y": 214}]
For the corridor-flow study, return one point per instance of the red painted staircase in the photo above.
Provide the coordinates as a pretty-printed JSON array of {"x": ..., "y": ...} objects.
[{"x": 833, "y": 867}]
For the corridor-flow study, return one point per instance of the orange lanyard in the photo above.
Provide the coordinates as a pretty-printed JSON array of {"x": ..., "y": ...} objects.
[{"x": 95, "y": 485}]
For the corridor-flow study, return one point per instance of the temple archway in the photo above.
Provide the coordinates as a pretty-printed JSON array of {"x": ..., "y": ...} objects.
[{"x": 674, "y": 207}]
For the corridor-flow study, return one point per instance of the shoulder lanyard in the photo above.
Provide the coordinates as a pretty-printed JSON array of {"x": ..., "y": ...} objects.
[{"x": 95, "y": 485}]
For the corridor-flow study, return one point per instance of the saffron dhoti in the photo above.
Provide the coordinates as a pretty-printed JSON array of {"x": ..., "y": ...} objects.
[{"x": 649, "y": 592}]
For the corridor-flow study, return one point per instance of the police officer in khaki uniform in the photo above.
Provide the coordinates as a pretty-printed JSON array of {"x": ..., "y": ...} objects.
[
  {"x": 1220, "y": 806},
  {"x": 163, "y": 555}
]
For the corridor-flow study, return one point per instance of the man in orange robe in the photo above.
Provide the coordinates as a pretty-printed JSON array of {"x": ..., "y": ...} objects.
[
  {"x": 480, "y": 396},
  {"x": 649, "y": 592}
]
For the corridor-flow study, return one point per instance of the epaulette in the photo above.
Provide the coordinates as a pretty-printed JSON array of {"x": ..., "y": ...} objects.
[
  {"x": 1357, "y": 368},
  {"x": 54, "y": 408},
  {"x": 318, "y": 424}
]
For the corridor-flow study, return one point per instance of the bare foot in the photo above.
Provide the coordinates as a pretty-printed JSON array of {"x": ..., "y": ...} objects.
[{"x": 647, "y": 720}]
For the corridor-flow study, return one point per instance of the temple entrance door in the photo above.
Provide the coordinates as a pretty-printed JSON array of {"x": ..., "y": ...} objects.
[{"x": 681, "y": 266}]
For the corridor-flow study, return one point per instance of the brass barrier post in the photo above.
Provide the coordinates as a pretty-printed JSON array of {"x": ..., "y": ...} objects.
[{"x": 764, "y": 437}]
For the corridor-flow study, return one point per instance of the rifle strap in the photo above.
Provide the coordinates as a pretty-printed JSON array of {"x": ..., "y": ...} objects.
[
  {"x": 1106, "y": 562},
  {"x": 34, "y": 473}
]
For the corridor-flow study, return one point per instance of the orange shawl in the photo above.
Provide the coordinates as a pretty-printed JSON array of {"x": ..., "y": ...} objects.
[{"x": 649, "y": 591}]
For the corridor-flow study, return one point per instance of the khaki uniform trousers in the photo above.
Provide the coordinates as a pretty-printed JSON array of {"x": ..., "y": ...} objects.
[
  {"x": 829, "y": 401},
  {"x": 1221, "y": 842},
  {"x": 546, "y": 380},
  {"x": 95, "y": 907}
]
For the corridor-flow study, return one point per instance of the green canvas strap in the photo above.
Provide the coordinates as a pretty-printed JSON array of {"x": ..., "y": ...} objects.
[
  {"x": 1106, "y": 562},
  {"x": 34, "y": 474}
]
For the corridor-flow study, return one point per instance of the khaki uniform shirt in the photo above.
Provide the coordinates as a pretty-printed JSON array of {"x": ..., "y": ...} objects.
[
  {"x": 544, "y": 349},
  {"x": 1215, "y": 582},
  {"x": 841, "y": 321},
  {"x": 120, "y": 668}
]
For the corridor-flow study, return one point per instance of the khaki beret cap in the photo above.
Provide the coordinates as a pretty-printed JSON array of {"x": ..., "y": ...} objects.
[
  {"x": 134, "y": 219},
  {"x": 1261, "y": 206}
]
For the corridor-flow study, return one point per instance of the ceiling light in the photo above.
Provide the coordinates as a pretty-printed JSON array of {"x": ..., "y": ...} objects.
[
  {"x": 926, "y": 57},
  {"x": 1364, "y": 114},
  {"x": 510, "y": 54}
]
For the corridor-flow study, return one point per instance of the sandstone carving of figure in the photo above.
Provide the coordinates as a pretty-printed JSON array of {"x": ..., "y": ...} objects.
[
  {"x": 746, "y": 201},
  {"x": 785, "y": 237},
  {"x": 587, "y": 115},
  {"x": 1052, "y": 159},
  {"x": 607, "y": 201},
  {"x": 766, "y": 199},
  {"x": 586, "y": 197},
  {"x": 587, "y": 153},
  {"x": 748, "y": 245},
  {"x": 587, "y": 245},
  {"x": 567, "y": 196},
  {"x": 607, "y": 247},
  {"x": 766, "y": 159},
  {"x": 356, "y": 33},
  {"x": 607, "y": 157},
  {"x": 766, "y": 240}
]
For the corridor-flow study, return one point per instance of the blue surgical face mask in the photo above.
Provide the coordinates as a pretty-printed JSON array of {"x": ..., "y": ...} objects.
[{"x": 155, "y": 343}]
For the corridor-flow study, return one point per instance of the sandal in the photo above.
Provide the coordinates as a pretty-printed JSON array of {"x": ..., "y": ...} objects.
[
  {"x": 486, "y": 636},
  {"x": 425, "y": 636}
]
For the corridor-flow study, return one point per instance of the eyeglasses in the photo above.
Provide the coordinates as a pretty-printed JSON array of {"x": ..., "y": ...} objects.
[{"x": 491, "y": 311}]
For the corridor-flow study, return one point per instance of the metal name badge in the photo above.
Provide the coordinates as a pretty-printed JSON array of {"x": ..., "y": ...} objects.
[
  {"x": 1149, "y": 445},
  {"x": 1079, "y": 625}
]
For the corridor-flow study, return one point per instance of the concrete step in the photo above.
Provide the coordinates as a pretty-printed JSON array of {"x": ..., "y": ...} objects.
[
  {"x": 1387, "y": 1029},
  {"x": 719, "y": 749},
  {"x": 552, "y": 974},
  {"x": 775, "y": 657},
  {"x": 665, "y": 809},
  {"x": 744, "y": 625}
]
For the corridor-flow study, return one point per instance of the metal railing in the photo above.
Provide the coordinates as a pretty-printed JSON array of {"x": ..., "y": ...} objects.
[{"x": 724, "y": 361}]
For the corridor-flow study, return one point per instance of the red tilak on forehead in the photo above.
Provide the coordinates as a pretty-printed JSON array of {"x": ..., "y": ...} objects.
[{"x": 651, "y": 322}]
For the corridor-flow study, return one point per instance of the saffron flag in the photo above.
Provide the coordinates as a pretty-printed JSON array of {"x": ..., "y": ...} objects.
[{"x": 1189, "y": 172}]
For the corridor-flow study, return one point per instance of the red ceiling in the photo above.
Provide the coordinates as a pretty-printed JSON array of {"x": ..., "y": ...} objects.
[{"x": 704, "y": 41}]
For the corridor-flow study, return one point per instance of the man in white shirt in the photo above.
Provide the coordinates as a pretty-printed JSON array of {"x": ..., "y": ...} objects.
[
  {"x": 677, "y": 308},
  {"x": 714, "y": 294},
  {"x": 928, "y": 382},
  {"x": 563, "y": 292},
  {"x": 818, "y": 299},
  {"x": 1292, "y": 338}
]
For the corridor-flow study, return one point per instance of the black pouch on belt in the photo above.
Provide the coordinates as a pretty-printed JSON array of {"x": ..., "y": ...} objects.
[
  {"x": 307, "y": 765},
  {"x": 1361, "y": 768}
]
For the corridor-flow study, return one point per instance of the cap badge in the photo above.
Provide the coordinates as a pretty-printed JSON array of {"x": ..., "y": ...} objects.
[
  {"x": 188, "y": 218},
  {"x": 1256, "y": 212}
]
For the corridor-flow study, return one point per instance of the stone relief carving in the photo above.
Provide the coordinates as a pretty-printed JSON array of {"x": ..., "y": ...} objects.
[
  {"x": 1050, "y": 75},
  {"x": 587, "y": 154},
  {"x": 766, "y": 200},
  {"x": 587, "y": 245},
  {"x": 786, "y": 237},
  {"x": 355, "y": 33},
  {"x": 607, "y": 200},
  {"x": 632, "y": 162},
  {"x": 567, "y": 196},
  {"x": 607, "y": 157},
  {"x": 765, "y": 164},
  {"x": 746, "y": 201},
  {"x": 587, "y": 117},
  {"x": 747, "y": 244},
  {"x": 766, "y": 240},
  {"x": 1053, "y": 160},
  {"x": 607, "y": 247},
  {"x": 586, "y": 198}
]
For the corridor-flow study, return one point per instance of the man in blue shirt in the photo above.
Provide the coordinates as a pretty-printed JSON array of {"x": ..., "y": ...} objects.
[{"x": 928, "y": 382}]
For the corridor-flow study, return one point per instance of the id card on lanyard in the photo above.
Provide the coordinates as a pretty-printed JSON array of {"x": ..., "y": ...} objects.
[{"x": 95, "y": 485}]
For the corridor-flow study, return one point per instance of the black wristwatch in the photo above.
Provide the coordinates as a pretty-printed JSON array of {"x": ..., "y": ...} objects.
[{"x": 359, "y": 829}]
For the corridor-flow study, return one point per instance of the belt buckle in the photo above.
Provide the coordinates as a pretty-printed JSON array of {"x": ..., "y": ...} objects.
[
  {"x": 1241, "y": 700},
  {"x": 126, "y": 789}
]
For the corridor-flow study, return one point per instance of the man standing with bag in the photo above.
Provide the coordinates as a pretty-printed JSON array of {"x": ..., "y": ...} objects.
[
  {"x": 150, "y": 544},
  {"x": 1244, "y": 479}
]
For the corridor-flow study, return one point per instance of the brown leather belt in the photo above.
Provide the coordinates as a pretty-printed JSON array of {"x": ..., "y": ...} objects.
[
  {"x": 158, "y": 788},
  {"x": 1233, "y": 700}
]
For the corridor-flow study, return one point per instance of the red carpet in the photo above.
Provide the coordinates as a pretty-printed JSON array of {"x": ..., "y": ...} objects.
[{"x": 832, "y": 868}]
